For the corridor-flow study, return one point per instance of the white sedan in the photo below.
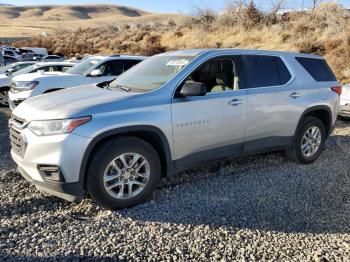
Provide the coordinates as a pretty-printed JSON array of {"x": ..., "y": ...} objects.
[{"x": 6, "y": 77}]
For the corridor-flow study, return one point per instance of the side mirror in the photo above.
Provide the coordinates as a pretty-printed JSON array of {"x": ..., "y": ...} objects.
[
  {"x": 191, "y": 88},
  {"x": 10, "y": 70},
  {"x": 96, "y": 73}
]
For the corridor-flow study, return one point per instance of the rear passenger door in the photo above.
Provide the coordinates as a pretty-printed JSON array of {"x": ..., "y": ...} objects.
[{"x": 271, "y": 108}]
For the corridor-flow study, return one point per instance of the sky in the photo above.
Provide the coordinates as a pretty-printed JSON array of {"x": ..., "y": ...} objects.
[{"x": 170, "y": 6}]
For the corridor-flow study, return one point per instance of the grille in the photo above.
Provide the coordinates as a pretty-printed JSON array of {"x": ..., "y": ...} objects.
[
  {"x": 17, "y": 141},
  {"x": 17, "y": 121}
]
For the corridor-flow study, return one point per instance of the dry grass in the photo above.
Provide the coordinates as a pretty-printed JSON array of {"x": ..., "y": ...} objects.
[{"x": 324, "y": 31}]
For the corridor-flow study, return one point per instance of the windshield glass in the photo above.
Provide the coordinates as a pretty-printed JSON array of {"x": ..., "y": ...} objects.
[
  {"x": 26, "y": 70},
  {"x": 84, "y": 66},
  {"x": 152, "y": 73}
]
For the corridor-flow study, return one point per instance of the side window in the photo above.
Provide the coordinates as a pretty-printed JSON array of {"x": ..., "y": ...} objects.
[
  {"x": 317, "y": 68},
  {"x": 260, "y": 71},
  {"x": 65, "y": 68},
  {"x": 112, "y": 68},
  {"x": 130, "y": 63},
  {"x": 48, "y": 69},
  {"x": 218, "y": 75}
]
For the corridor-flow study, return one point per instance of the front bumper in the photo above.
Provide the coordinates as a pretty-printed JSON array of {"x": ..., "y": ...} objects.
[
  {"x": 72, "y": 192},
  {"x": 14, "y": 104},
  {"x": 15, "y": 98},
  {"x": 23, "y": 95},
  {"x": 63, "y": 151}
]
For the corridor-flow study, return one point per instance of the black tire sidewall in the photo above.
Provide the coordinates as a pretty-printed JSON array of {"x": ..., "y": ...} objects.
[
  {"x": 104, "y": 155},
  {"x": 305, "y": 125}
]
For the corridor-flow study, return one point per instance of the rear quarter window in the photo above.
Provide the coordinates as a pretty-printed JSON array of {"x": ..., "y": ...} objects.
[{"x": 317, "y": 68}]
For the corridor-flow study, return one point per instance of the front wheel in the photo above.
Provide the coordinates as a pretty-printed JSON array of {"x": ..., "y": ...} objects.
[
  {"x": 308, "y": 141},
  {"x": 4, "y": 99},
  {"x": 123, "y": 172}
]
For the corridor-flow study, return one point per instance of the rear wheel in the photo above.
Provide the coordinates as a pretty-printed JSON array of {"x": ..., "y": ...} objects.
[
  {"x": 123, "y": 172},
  {"x": 308, "y": 141},
  {"x": 4, "y": 100}
]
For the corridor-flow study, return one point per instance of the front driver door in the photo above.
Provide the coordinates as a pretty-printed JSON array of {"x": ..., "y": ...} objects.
[{"x": 211, "y": 126}]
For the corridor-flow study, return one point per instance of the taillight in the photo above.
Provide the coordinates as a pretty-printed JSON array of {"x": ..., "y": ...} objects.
[{"x": 337, "y": 89}]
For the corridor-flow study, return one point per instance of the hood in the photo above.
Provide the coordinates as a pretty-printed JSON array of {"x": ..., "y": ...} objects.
[
  {"x": 37, "y": 76},
  {"x": 4, "y": 80},
  {"x": 72, "y": 102},
  {"x": 3, "y": 76}
]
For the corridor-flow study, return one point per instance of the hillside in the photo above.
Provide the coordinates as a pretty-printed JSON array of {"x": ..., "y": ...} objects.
[{"x": 18, "y": 21}]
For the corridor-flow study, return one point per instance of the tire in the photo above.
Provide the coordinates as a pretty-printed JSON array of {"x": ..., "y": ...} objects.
[
  {"x": 295, "y": 152},
  {"x": 106, "y": 162},
  {"x": 4, "y": 102}
]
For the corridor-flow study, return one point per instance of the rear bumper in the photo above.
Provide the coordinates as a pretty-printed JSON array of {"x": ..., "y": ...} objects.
[
  {"x": 345, "y": 110},
  {"x": 72, "y": 192}
]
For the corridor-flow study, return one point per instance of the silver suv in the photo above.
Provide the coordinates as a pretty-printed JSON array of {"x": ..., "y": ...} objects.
[{"x": 171, "y": 112}]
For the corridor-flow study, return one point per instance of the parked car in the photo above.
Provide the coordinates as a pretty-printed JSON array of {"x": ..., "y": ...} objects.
[
  {"x": 52, "y": 58},
  {"x": 12, "y": 53},
  {"x": 169, "y": 113},
  {"x": 93, "y": 70},
  {"x": 29, "y": 55},
  {"x": 345, "y": 103},
  {"x": 10, "y": 59},
  {"x": 28, "y": 67},
  {"x": 12, "y": 68},
  {"x": 37, "y": 50}
]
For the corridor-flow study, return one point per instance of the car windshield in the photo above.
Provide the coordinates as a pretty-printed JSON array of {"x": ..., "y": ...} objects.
[
  {"x": 151, "y": 74},
  {"x": 84, "y": 66},
  {"x": 27, "y": 70}
]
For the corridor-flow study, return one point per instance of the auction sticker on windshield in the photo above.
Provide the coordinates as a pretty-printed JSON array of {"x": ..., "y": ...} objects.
[{"x": 181, "y": 62}]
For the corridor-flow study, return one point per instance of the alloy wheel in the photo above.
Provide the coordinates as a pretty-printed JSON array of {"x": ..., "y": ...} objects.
[
  {"x": 311, "y": 141},
  {"x": 4, "y": 101},
  {"x": 126, "y": 176}
]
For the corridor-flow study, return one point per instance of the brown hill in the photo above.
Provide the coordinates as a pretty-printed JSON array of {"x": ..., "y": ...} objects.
[{"x": 18, "y": 21}]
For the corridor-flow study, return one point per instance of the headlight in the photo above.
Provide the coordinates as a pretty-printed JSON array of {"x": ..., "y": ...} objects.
[
  {"x": 24, "y": 85},
  {"x": 57, "y": 127}
]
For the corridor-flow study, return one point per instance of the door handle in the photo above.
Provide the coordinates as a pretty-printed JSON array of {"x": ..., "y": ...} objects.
[
  {"x": 235, "y": 102},
  {"x": 294, "y": 95}
]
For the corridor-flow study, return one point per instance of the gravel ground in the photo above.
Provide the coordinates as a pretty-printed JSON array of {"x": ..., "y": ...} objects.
[{"x": 249, "y": 209}]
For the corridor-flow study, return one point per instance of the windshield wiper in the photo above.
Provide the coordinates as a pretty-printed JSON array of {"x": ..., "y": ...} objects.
[{"x": 124, "y": 88}]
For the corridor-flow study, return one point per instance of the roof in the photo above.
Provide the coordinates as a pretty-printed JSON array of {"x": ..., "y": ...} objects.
[
  {"x": 197, "y": 52},
  {"x": 55, "y": 63}
]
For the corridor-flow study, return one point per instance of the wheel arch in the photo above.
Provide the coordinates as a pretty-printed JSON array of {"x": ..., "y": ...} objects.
[
  {"x": 6, "y": 88},
  {"x": 322, "y": 112},
  {"x": 152, "y": 135}
]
